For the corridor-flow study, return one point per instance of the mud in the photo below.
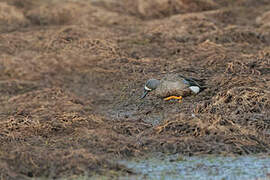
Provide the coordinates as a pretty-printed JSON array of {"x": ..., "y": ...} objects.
[{"x": 72, "y": 72}]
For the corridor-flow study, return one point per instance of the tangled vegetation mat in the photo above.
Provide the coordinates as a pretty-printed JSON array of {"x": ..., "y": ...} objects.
[{"x": 72, "y": 72}]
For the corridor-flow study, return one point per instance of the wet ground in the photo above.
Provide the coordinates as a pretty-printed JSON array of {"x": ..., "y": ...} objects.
[
  {"x": 199, "y": 167},
  {"x": 72, "y": 72}
]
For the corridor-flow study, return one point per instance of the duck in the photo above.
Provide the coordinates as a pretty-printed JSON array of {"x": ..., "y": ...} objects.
[{"x": 173, "y": 86}]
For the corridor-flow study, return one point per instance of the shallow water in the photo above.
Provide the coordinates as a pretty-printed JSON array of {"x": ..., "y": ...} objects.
[{"x": 199, "y": 167}]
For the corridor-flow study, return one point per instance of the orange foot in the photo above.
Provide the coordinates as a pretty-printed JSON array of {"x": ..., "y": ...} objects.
[{"x": 174, "y": 97}]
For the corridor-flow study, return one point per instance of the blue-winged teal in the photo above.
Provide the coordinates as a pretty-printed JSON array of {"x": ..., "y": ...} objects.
[{"x": 172, "y": 86}]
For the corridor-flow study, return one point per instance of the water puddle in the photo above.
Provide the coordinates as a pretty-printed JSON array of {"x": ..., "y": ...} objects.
[{"x": 199, "y": 167}]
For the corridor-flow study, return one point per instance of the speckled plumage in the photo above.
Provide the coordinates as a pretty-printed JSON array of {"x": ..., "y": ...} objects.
[{"x": 172, "y": 85}]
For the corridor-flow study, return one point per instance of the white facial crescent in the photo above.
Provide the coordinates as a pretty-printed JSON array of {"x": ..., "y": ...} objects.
[{"x": 147, "y": 89}]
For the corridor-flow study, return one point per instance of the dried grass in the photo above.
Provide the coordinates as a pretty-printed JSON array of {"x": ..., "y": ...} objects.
[
  {"x": 54, "y": 14},
  {"x": 264, "y": 19},
  {"x": 11, "y": 18},
  {"x": 70, "y": 83},
  {"x": 158, "y": 8}
]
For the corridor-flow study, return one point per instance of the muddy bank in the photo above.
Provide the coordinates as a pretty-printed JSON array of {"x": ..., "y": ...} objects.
[{"x": 72, "y": 72}]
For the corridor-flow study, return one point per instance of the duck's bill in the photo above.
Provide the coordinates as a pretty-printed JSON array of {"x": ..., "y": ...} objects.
[{"x": 144, "y": 94}]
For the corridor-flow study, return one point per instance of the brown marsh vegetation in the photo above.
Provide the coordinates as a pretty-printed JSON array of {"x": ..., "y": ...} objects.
[{"x": 71, "y": 73}]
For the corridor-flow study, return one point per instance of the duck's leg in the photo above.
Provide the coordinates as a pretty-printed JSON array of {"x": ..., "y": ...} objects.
[{"x": 173, "y": 97}]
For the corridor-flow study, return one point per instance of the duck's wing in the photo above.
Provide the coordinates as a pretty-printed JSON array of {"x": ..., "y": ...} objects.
[
  {"x": 193, "y": 82},
  {"x": 189, "y": 81}
]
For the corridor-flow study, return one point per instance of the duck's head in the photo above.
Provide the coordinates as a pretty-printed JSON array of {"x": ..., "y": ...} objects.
[{"x": 150, "y": 85}]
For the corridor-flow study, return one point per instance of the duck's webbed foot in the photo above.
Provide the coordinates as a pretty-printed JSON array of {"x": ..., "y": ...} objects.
[{"x": 174, "y": 97}]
